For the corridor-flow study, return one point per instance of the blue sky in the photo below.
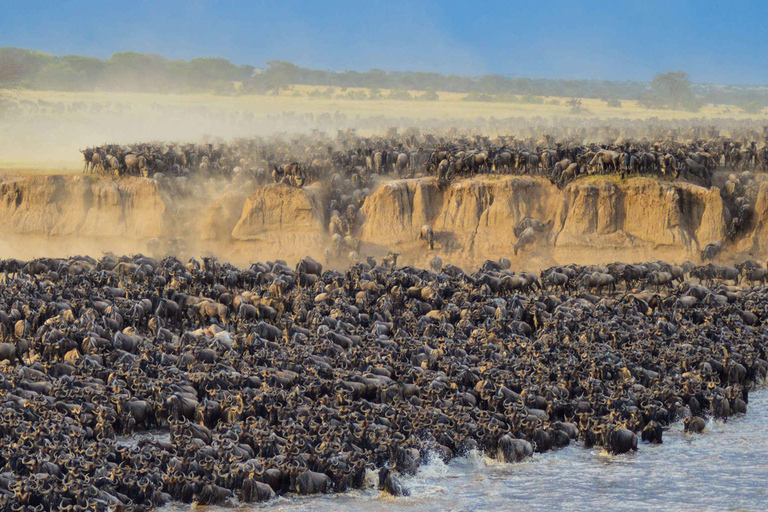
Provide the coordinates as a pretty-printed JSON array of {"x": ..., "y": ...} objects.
[{"x": 723, "y": 42}]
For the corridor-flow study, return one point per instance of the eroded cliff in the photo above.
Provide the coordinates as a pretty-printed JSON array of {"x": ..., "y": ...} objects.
[
  {"x": 591, "y": 220},
  {"x": 473, "y": 219},
  {"x": 81, "y": 206}
]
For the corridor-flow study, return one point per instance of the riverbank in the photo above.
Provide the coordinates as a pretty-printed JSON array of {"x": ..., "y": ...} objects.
[
  {"x": 721, "y": 470},
  {"x": 268, "y": 381},
  {"x": 596, "y": 220}
]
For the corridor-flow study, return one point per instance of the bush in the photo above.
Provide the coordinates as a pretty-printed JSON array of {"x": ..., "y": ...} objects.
[
  {"x": 399, "y": 95},
  {"x": 530, "y": 98},
  {"x": 478, "y": 96},
  {"x": 751, "y": 107},
  {"x": 651, "y": 102},
  {"x": 575, "y": 104},
  {"x": 317, "y": 93},
  {"x": 222, "y": 88},
  {"x": 693, "y": 104},
  {"x": 353, "y": 95},
  {"x": 6, "y": 105},
  {"x": 428, "y": 95},
  {"x": 613, "y": 103},
  {"x": 508, "y": 98}
]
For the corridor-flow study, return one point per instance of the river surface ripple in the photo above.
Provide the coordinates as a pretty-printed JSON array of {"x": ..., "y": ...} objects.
[{"x": 725, "y": 468}]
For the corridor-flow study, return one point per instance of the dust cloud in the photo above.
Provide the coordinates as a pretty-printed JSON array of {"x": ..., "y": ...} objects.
[{"x": 54, "y": 215}]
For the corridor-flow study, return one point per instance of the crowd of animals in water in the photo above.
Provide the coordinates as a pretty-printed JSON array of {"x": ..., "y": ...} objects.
[
  {"x": 132, "y": 382},
  {"x": 129, "y": 382}
]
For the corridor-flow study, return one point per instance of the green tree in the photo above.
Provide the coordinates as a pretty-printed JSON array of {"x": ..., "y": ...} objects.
[
  {"x": 10, "y": 70},
  {"x": 751, "y": 107},
  {"x": 20, "y": 65},
  {"x": 575, "y": 104},
  {"x": 673, "y": 88},
  {"x": 222, "y": 88},
  {"x": 205, "y": 73},
  {"x": 129, "y": 71},
  {"x": 476, "y": 96},
  {"x": 530, "y": 98},
  {"x": 58, "y": 76}
]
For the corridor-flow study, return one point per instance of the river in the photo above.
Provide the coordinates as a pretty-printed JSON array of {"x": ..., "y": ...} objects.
[{"x": 725, "y": 468}]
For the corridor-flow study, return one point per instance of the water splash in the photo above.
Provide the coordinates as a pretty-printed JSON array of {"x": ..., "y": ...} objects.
[{"x": 725, "y": 468}]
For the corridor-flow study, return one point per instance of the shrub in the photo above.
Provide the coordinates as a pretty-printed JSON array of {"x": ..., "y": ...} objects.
[
  {"x": 530, "y": 98},
  {"x": 428, "y": 95},
  {"x": 399, "y": 95},
  {"x": 478, "y": 96},
  {"x": 575, "y": 104},
  {"x": 751, "y": 107}
]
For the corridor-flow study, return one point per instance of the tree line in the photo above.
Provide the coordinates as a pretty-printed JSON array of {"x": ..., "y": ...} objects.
[{"x": 140, "y": 72}]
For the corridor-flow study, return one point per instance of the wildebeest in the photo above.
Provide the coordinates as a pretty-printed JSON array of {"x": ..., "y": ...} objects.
[
  {"x": 427, "y": 235},
  {"x": 711, "y": 251},
  {"x": 530, "y": 222},
  {"x": 527, "y": 236}
]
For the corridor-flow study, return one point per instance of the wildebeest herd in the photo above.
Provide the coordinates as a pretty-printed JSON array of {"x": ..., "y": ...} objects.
[
  {"x": 305, "y": 159},
  {"x": 130, "y": 382},
  {"x": 351, "y": 166}
]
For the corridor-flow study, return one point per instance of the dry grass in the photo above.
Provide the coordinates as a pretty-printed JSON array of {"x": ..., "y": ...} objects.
[
  {"x": 49, "y": 139},
  {"x": 454, "y": 103},
  {"x": 449, "y": 106},
  {"x": 46, "y": 168}
]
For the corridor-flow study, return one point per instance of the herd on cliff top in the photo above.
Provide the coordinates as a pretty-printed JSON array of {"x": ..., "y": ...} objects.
[
  {"x": 352, "y": 165},
  {"x": 305, "y": 159}
]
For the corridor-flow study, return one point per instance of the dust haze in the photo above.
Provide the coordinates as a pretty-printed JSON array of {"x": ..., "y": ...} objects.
[{"x": 41, "y": 138}]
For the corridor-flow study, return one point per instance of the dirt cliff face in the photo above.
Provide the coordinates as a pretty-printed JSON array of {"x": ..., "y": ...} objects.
[
  {"x": 280, "y": 221},
  {"x": 467, "y": 216},
  {"x": 81, "y": 206},
  {"x": 50, "y": 215},
  {"x": 593, "y": 220},
  {"x": 222, "y": 216},
  {"x": 756, "y": 242},
  {"x": 639, "y": 212},
  {"x": 473, "y": 219},
  {"x": 274, "y": 210}
]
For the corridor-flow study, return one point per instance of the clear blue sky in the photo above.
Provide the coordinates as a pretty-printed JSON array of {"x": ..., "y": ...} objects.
[{"x": 724, "y": 42}]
